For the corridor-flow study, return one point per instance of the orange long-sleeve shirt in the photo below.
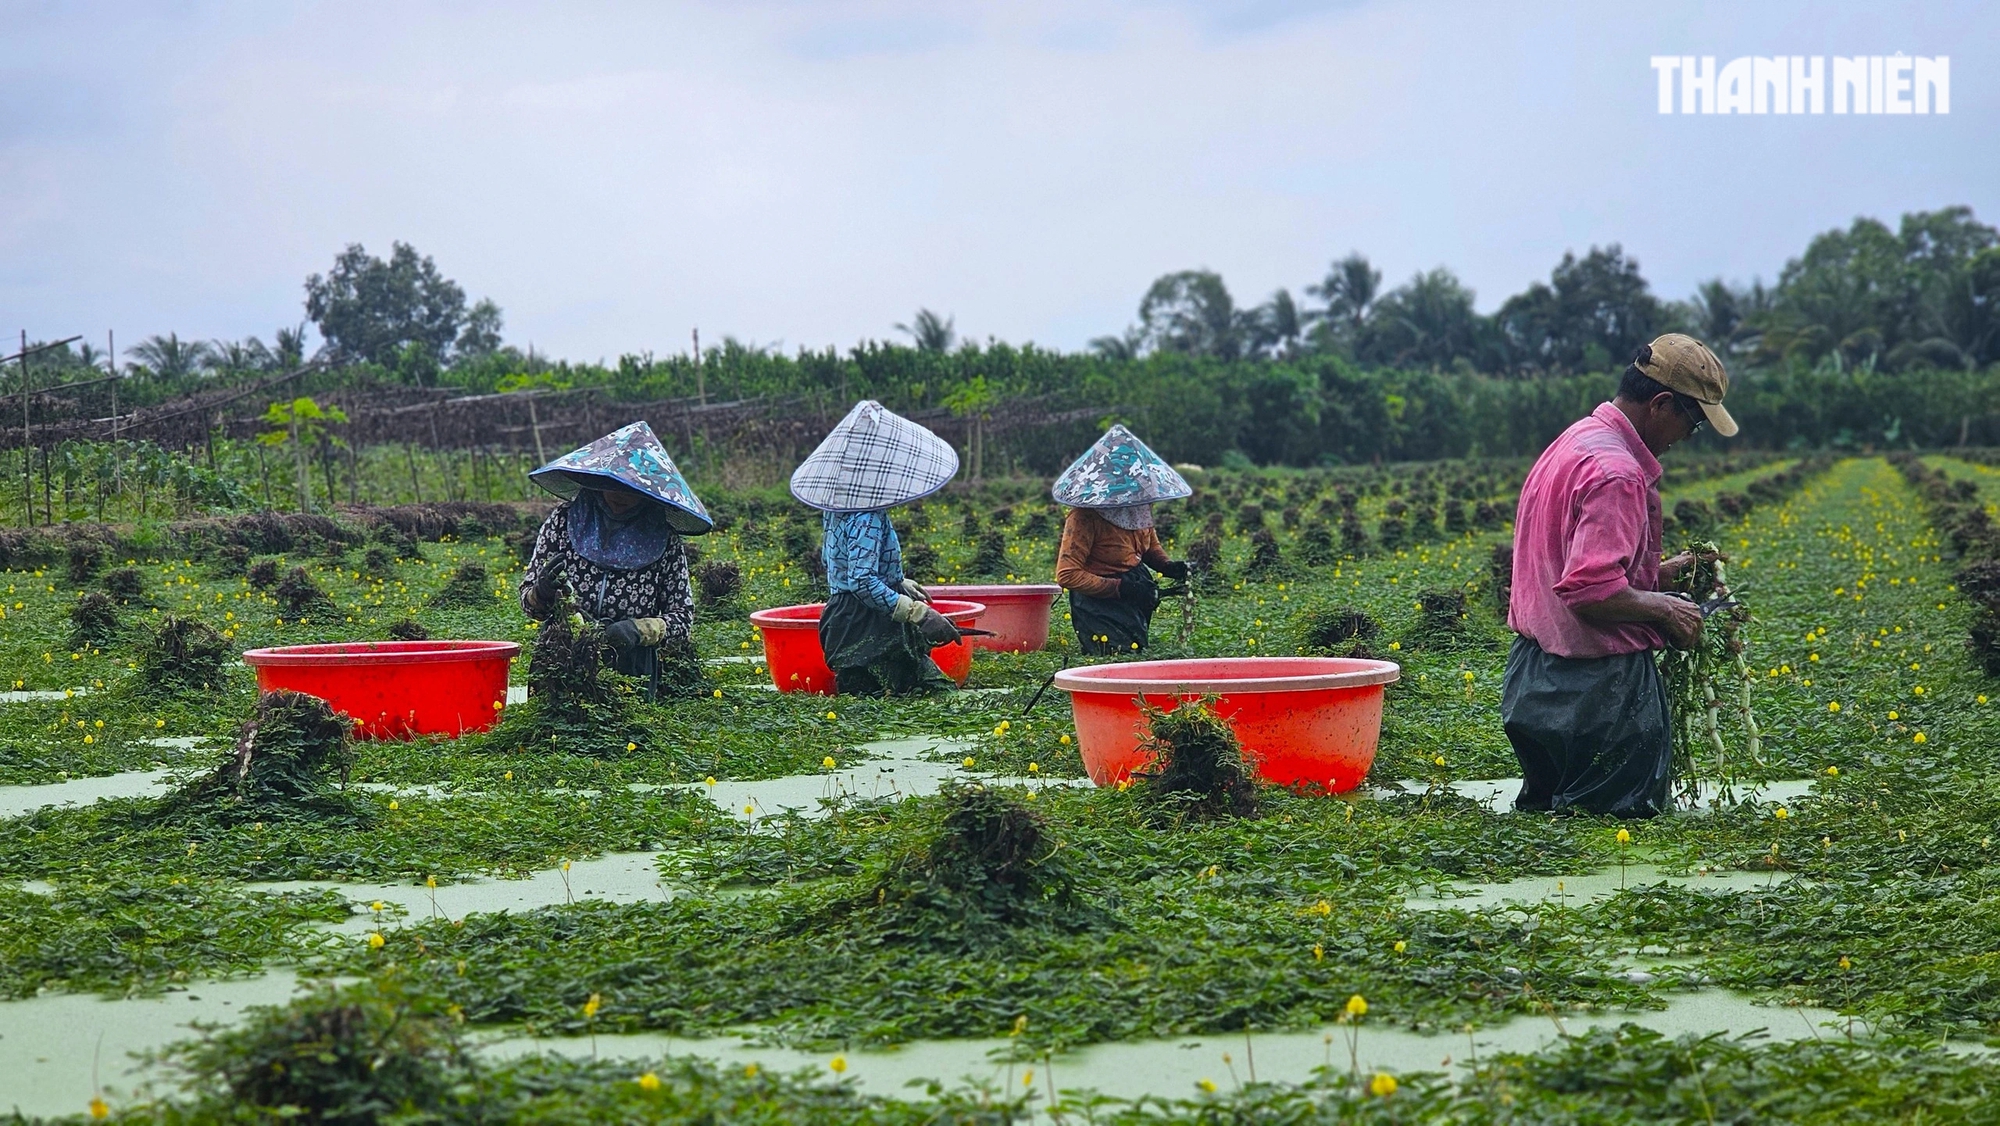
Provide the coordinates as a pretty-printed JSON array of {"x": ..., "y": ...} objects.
[{"x": 1094, "y": 550}]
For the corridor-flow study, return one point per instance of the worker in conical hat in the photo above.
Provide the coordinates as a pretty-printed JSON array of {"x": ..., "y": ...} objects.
[
  {"x": 615, "y": 541},
  {"x": 878, "y": 627},
  {"x": 1109, "y": 549}
]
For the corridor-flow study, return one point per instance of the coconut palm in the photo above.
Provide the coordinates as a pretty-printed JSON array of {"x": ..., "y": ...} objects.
[
  {"x": 930, "y": 332},
  {"x": 170, "y": 357}
]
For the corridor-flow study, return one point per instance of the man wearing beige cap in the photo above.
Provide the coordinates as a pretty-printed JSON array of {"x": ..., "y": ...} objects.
[{"x": 1583, "y": 703}]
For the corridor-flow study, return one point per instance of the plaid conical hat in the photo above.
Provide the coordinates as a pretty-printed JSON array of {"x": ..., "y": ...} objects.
[
  {"x": 632, "y": 457},
  {"x": 1118, "y": 471},
  {"x": 875, "y": 458}
]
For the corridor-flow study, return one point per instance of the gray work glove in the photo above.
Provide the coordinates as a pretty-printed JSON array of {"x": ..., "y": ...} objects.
[
  {"x": 911, "y": 588},
  {"x": 936, "y": 628},
  {"x": 635, "y": 633}
]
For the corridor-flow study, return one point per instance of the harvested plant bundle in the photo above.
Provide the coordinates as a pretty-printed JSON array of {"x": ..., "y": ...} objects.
[
  {"x": 183, "y": 655},
  {"x": 469, "y": 585},
  {"x": 286, "y": 762},
  {"x": 1700, "y": 679},
  {"x": 1334, "y": 631},
  {"x": 1198, "y": 771},
  {"x": 93, "y": 620},
  {"x": 987, "y": 868}
]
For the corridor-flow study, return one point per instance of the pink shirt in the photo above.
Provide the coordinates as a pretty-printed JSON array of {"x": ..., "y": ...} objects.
[{"x": 1588, "y": 526}]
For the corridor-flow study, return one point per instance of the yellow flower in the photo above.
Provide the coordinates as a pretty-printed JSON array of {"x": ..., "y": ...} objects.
[
  {"x": 395, "y": 805},
  {"x": 1034, "y": 768},
  {"x": 830, "y": 715},
  {"x": 1781, "y": 813},
  {"x": 1845, "y": 964},
  {"x": 1319, "y": 952},
  {"x": 1833, "y": 705},
  {"x": 1395, "y": 646},
  {"x": 710, "y": 780},
  {"x": 649, "y": 1082},
  {"x": 1834, "y": 771},
  {"x": 827, "y": 762},
  {"x": 1207, "y": 1086},
  {"x": 750, "y": 1071},
  {"x": 838, "y": 1064},
  {"x": 90, "y": 738},
  {"x": 1066, "y": 739},
  {"x": 591, "y": 1005},
  {"x": 748, "y": 810},
  {"x": 1624, "y": 836},
  {"x": 1919, "y": 738},
  {"x": 375, "y": 940},
  {"x": 98, "y": 1109},
  {"x": 376, "y": 906},
  {"x": 507, "y": 777},
  {"x": 1400, "y": 946},
  {"x": 631, "y": 746},
  {"x": 1028, "y": 1078},
  {"x": 1357, "y": 1006},
  {"x": 718, "y": 693},
  {"x": 1438, "y": 761},
  {"x": 1383, "y": 1085}
]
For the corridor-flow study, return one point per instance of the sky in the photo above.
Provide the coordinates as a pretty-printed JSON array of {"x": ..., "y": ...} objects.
[{"x": 810, "y": 174}]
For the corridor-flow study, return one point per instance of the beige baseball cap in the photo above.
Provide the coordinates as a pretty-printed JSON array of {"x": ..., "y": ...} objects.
[{"x": 1681, "y": 363}]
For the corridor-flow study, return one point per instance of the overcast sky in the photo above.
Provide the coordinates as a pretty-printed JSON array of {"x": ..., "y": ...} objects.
[{"x": 812, "y": 173}]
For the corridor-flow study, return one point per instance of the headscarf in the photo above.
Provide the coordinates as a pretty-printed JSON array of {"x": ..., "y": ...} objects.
[
  {"x": 1131, "y": 517},
  {"x": 618, "y": 543}
]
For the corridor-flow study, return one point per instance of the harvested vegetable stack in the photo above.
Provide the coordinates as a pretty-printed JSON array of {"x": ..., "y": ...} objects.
[{"x": 1712, "y": 676}]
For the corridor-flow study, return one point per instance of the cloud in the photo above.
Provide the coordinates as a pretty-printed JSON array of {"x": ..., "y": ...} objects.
[{"x": 616, "y": 174}]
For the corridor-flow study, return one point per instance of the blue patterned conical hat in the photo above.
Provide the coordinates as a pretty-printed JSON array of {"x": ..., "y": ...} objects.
[
  {"x": 1118, "y": 471},
  {"x": 874, "y": 458},
  {"x": 633, "y": 457}
]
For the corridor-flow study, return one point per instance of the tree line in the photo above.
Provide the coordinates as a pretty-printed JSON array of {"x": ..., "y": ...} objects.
[{"x": 1871, "y": 336}]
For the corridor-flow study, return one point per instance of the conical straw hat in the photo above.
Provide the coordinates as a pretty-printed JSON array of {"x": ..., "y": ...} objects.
[
  {"x": 1117, "y": 471},
  {"x": 875, "y": 458},
  {"x": 633, "y": 457}
]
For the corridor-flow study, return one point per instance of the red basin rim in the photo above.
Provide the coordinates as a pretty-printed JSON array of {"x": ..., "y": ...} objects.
[
  {"x": 807, "y": 616},
  {"x": 381, "y": 653},
  {"x": 1182, "y": 678},
  {"x": 995, "y": 590}
]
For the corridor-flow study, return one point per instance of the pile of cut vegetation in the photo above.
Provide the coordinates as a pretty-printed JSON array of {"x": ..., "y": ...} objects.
[
  {"x": 182, "y": 656},
  {"x": 986, "y": 870},
  {"x": 1335, "y": 631},
  {"x": 468, "y": 586},
  {"x": 289, "y": 763},
  {"x": 1198, "y": 771},
  {"x": 576, "y": 704}
]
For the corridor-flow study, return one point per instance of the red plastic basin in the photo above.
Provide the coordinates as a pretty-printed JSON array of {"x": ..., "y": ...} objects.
[
  {"x": 792, "y": 652},
  {"x": 396, "y": 689},
  {"x": 1018, "y": 614},
  {"x": 1308, "y": 722}
]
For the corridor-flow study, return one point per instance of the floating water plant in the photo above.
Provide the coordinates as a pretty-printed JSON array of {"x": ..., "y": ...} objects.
[
  {"x": 719, "y": 582},
  {"x": 408, "y": 629},
  {"x": 126, "y": 584},
  {"x": 576, "y": 704},
  {"x": 1441, "y": 620}
]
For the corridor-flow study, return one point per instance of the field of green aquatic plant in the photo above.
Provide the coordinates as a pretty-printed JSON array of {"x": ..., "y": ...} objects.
[{"x": 1016, "y": 904}]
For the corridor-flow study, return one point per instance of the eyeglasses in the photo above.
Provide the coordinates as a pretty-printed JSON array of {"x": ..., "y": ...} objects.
[{"x": 1696, "y": 417}]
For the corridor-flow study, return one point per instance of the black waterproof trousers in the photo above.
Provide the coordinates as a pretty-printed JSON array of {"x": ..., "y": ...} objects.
[
  {"x": 1592, "y": 734},
  {"x": 872, "y": 654},
  {"x": 1113, "y": 627}
]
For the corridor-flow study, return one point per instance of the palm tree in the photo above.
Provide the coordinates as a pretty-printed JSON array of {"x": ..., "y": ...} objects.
[
  {"x": 288, "y": 348},
  {"x": 931, "y": 332},
  {"x": 170, "y": 357},
  {"x": 246, "y": 355}
]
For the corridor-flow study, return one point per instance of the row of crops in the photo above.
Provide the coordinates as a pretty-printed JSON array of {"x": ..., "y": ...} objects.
[{"x": 1862, "y": 874}]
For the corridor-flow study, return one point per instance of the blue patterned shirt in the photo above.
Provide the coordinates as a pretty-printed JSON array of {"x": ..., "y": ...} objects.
[{"x": 863, "y": 557}]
